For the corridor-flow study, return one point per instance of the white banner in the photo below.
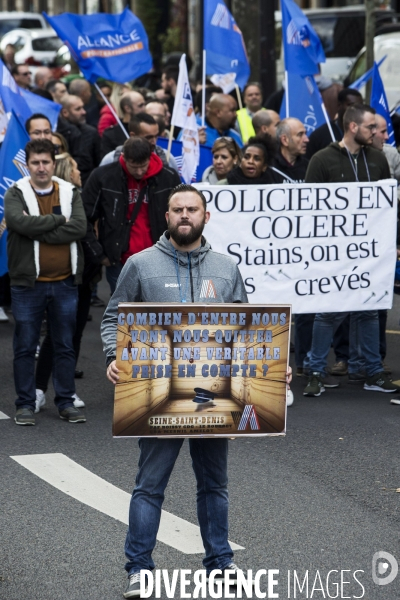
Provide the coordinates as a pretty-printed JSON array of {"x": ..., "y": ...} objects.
[{"x": 320, "y": 247}]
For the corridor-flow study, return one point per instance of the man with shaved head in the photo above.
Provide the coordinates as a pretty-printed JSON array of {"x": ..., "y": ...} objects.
[
  {"x": 159, "y": 111},
  {"x": 290, "y": 163},
  {"x": 81, "y": 88},
  {"x": 83, "y": 139},
  {"x": 131, "y": 104},
  {"x": 220, "y": 120},
  {"x": 266, "y": 121},
  {"x": 42, "y": 77}
]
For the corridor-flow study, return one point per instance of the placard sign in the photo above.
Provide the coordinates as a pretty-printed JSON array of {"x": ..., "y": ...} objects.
[
  {"x": 201, "y": 370},
  {"x": 321, "y": 247}
]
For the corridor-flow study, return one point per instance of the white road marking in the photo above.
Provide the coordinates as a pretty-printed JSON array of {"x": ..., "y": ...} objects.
[
  {"x": 3, "y": 415},
  {"x": 68, "y": 476}
]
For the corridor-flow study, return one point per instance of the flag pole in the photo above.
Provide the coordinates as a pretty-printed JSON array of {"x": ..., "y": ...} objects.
[
  {"x": 203, "y": 91},
  {"x": 171, "y": 135},
  {"x": 110, "y": 106},
  {"x": 239, "y": 97},
  {"x": 287, "y": 93},
  {"x": 328, "y": 122}
]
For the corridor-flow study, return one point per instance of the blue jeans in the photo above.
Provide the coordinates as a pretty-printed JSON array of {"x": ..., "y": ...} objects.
[
  {"x": 112, "y": 274},
  {"x": 60, "y": 298},
  {"x": 157, "y": 459},
  {"x": 364, "y": 341}
]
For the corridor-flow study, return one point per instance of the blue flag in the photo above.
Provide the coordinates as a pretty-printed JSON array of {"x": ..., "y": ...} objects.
[
  {"x": 12, "y": 168},
  {"x": 304, "y": 102},
  {"x": 37, "y": 104},
  {"x": 223, "y": 43},
  {"x": 302, "y": 46},
  {"x": 380, "y": 104},
  {"x": 206, "y": 157},
  {"x": 104, "y": 45},
  {"x": 10, "y": 94},
  {"x": 361, "y": 81}
]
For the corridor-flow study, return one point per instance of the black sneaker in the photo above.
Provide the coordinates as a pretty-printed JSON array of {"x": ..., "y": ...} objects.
[
  {"x": 358, "y": 377},
  {"x": 329, "y": 382},
  {"x": 221, "y": 576},
  {"x": 133, "y": 587},
  {"x": 314, "y": 386},
  {"x": 24, "y": 416},
  {"x": 380, "y": 382},
  {"x": 72, "y": 415}
]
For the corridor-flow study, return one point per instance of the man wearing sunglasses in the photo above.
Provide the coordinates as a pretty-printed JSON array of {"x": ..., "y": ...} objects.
[{"x": 22, "y": 76}]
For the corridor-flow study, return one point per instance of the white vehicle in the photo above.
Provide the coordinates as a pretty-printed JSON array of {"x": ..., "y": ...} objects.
[
  {"x": 17, "y": 20},
  {"x": 34, "y": 47},
  {"x": 388, "y": 45}
]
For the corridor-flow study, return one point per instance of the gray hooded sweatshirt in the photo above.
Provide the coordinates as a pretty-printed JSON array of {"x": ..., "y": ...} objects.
[{"x": 163, "y": 274}]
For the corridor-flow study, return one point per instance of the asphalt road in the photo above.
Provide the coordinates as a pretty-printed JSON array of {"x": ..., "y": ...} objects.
[{"x": 322, "y": 498}]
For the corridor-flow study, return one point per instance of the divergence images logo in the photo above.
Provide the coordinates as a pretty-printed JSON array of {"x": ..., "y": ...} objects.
[{"x": 381, "y": 561}]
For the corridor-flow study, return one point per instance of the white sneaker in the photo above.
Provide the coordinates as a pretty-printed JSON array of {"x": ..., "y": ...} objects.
[
  {"x": 395, "y": 401},
  {"x": 78, "y": 403},
  {"x": 289, "y": 398},
  {"x": 40, "y": 400},
  {"x": 3, "y": 316}
]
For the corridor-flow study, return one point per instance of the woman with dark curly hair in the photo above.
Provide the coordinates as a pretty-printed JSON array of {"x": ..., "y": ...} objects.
[{"x": 257, "y": 156}]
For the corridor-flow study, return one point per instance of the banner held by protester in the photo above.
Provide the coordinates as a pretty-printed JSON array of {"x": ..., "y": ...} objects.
[
  {"x": 11, "y": 96},
  {"x": 224, "y": 45},
  {"x": 183, "y": 116},
  {"x": 198, "y": 370},
  {"x": 305, "y": 102},
  {"x": 318, "y": 247},
  {"x": 115, "y": 47},
  {"x": 12, "y": 168},
  {"x": 37, "y": 104},
  {"x": 380, "y": 104}
]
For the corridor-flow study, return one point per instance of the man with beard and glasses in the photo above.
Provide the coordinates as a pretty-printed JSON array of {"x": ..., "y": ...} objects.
[
  {"x": 174, "y": 270},
  {"x": 129, "y": 199},
  {"x": 351, "y": 159}
]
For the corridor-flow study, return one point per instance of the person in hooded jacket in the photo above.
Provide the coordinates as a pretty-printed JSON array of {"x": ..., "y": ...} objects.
[
  {"x": 180, "y": 267},
  {"x": 129, "y": 199}
]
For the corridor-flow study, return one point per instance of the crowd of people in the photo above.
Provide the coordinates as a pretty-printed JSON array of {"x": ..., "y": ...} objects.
[
  {"x": 105, "y": 146},
  {"x": 98, "y": 193}
]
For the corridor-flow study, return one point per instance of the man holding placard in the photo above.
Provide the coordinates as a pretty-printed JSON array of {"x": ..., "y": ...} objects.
[
  {"x": 181, "y": 252},
  {"x": 352, "y": 159}
]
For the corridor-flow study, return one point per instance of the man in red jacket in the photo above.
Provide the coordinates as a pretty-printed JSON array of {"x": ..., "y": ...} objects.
[{"x": 129, "y": 200}]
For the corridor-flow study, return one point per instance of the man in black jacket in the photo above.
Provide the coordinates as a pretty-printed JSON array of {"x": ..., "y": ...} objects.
[
  {"x": 290, "y": 163},
  {"x": 351, "y": 159},
  {"x": 83, "y": 140},
  {"x": 129, "y": 200},
  {"x": 321, "y": 137}
]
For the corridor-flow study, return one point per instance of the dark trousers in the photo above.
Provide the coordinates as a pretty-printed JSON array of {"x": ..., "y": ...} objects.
[
  {"x": 341, "y": 341},
  {"x": 46, "y": 356},
  {"x": 303, "y": 329},
  {"x": 60, "y": 299}
]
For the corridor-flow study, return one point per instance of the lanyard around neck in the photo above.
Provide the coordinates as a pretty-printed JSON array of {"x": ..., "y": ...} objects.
[{"x": 354, "y": 163}]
